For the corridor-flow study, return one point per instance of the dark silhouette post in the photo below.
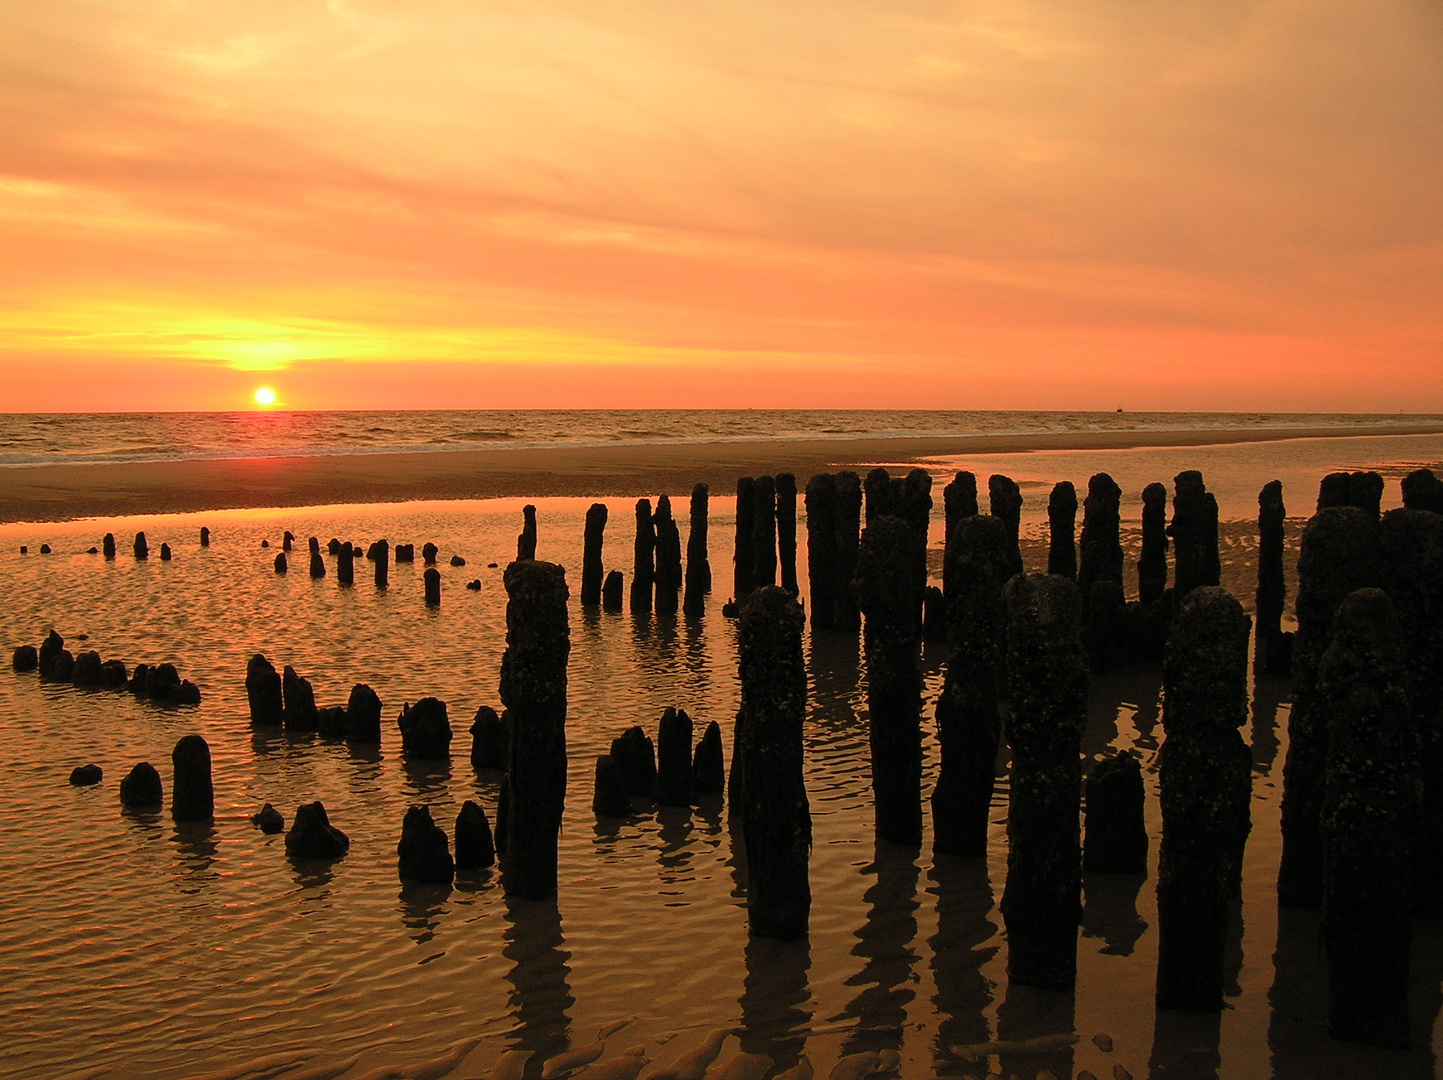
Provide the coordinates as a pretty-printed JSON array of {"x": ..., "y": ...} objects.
[
  {"x": 1206, "y": 782},
  {"x": 1101, "y": 548},
  {"x": 821, "y": 499},
  {"x": 1410, "y": 557},
  {"x": 1272, "y": 591},
  {"x": 969, "y": 724},
  {"x": 432, "y": 585},
  {"x": 533, "y": 693},
  {"x": 742, "y": 561},
  {"x": 959, "y": 500},
  {"x": 591, "y": 555},
  {"x": 1363, "y": 490},
  {"x": 107, "y": 545},
  {"x": 1062, "y": 530},
  {"x": 1338, "y": 556},
  {"x": 849, "y": 525},
  {"x": 1372, "y": 796},
  {"x": 611, "y": 591},
  {"x": 192, "y": 798},
  {"x": 776, "y": 819},
  {"x": 345, "y": 565},
  {"x": 764, "y": 533},
  {"x": 643, "y": 567},
  {"x": 916, "y": 510},
  {"x": 1005, "y": 501},
  {"x": 698, "y": 565},
  {"x": 263, "y": 692},
  {"x": 668, "y": 558},
  {"x": 884, "y": 587},
  {"x": 383, "y": 563},
  {"x": 674, "y": 759},
  {"x": 1194, "y": 532},
  {"x": 1115, "y": 827},
  {"x": 786, "y": 486},
  {"x": 1047, "y": 683},
  {"x": 1152, "y": 562},
  {"x": 140, "y": 547},
  {"x": 526, "y": 541}
]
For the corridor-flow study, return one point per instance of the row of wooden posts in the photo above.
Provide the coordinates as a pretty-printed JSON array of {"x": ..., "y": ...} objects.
[{"x": 1362, "y": 827}]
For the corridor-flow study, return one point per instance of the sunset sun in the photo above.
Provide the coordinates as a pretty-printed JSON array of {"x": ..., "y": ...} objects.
[{"x": 264, "y": 395}]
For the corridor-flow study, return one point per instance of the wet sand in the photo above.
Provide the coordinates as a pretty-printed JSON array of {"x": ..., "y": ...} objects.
[{"x": 67, "y": 492}]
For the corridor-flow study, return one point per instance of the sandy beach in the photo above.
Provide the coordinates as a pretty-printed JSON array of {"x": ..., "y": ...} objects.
[{"x": 66, "y": 492}]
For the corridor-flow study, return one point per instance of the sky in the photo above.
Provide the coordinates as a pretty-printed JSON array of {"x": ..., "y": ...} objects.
[{"x": 1035, "y": 204}]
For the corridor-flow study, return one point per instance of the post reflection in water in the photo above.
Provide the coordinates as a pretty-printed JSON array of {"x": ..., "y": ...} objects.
[
  {"x": 1028, "y": 1013},
  {"x": 422, "y": 904},
  {"x": 1185, "y": 1045},
  {"x": 196, "y": 847},
  {"x": 959, "y": 950},
  {"x": 1110, "y": 911},
  {"x": 1269, "y": 695},
  {"x": 540, "y": 997},
  {"x": 885, "y": 943},
  {"x": 776, "y": 1001}
]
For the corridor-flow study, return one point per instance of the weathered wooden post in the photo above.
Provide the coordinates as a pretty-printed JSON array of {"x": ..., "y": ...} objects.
[
  {"x": 668, "y": 558},
  {"x": 1206, "y": 783},
  {"x": 1152, "y": 562},
  {"x": 821, "y": 499},
  {"x": 969, "y": 725},
  {"x": 1005, "y": 502},
  {"x": 776, "y": 819},
  {"x": 1372, "y": 796},
  {"x": 432, "y": 585},
  {"x": 1272, "y": 591},
  {"x": 1338, "y": 556},
  {"x": 1194, "y": 532},
  {"x": 742, "y": 561},
  {"x": 884, "y": 587},
  {"x": 533, "y": 692},
  {"x": 1047, "y": 683},
  {"x": 192, "y": 798},
  {"x": 849, "y": 525},
  {"x": 643, "y": 564},
  {"x": 698, "y": 565},
  {"x": 526, "y": 541},
  {"x": 786, "y": 486},
  {"x": 591, "y": 568},
  {"x": 1062, "y": 530},
  {"x": 383, "y": 563},
  {"x": 764, "y": 532}
]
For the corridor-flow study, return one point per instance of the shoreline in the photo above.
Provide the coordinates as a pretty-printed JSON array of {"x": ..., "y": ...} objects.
[{"x": 44, "y": 493}]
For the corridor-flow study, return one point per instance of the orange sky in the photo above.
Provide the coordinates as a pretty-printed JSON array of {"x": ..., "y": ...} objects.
[{"x": 991, "y": 204}]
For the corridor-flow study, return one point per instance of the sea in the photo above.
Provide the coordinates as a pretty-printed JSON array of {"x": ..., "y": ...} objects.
[
  {"x": 133, "y": 946},
  {"x": 80, "y": 438}
]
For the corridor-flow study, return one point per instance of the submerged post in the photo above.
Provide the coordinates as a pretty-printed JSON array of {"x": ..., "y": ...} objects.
[
  {"x": 969, "y": 725},
  {"x": 1371, "y": 799},
  {"x": 345, "y": 565},
  {"x": 1047, "y": 683},
  {"x": 432, "y": 585},
  {"x": 698, "y": 566},
  {"x": 591, "y": 555},
  {"x": 192, "y": 798},
  {"x": 1205, "y": 785},
  {"x": 776, "y": 819},
  {"x": 383, "y": 563},
  {"x": 533, "y": 692},
  {"x": 885, "y": 588}
]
